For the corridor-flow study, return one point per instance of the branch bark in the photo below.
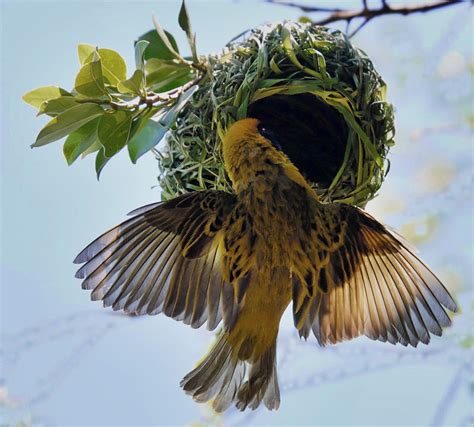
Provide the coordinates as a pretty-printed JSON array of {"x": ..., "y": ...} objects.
[{"x": 366, "y": 13}]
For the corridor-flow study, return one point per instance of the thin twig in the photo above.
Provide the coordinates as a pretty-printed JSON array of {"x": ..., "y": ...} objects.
[
  {"x": 336, "y": 14},
  {"x": 305, "y": 8},
  {"x": 171, "y": 94},
  {"x": 109, "y": 103},
  {"x": 150, "y": 100},
  {"x": 363, "y": 24}
]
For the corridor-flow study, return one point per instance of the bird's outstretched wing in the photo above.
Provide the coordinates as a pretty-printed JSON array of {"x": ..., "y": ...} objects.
[
  {"x": 166, "y": 258},
  {"x": 370, "y": 282}
]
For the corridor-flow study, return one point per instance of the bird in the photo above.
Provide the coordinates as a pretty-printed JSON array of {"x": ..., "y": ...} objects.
[{"x": 238, "y": 259}]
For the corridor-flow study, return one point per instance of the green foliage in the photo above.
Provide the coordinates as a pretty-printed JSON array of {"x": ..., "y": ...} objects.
[
  {"x": 37, "y": 96},
  {"x": 134, "y": 85},
  {"x": 84, "y": 51},
  {"x": 114, "y": 130},
  {"x": 185, "y": 24},
  {"x": 80, "y": 140},
  {"x": 113, "y": 66},
  {"x": 140, "y": 48},
  {"x": 106, "y": 111},
  {"x": 56, "y": 106},
  {"x": 90, "y": 79},
  {"x": 166, "y": 41},
  {"x": 68, "y": 122},
  {"x": 157, "y": 48}
]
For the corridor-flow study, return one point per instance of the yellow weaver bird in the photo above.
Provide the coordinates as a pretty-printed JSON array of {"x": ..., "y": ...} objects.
[{"x": 242, "y": 258}]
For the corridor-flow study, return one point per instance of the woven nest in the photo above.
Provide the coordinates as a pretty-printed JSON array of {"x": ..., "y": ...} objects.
[{"x": 314, "y": 87}]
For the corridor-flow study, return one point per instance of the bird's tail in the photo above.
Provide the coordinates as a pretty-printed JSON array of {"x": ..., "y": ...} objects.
[{"x": 227, "y": 379}]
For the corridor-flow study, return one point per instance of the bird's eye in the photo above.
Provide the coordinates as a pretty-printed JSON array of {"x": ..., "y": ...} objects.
[
  {"x": 270, "y": 135},
  {"x": 262, "y": 129}
]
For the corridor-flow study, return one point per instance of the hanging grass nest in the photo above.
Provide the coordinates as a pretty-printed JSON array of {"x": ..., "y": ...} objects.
[{"x": 321, "y": 94}]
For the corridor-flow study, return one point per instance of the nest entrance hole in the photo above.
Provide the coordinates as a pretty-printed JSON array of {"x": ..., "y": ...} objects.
[{"x": 312, "y": 134}]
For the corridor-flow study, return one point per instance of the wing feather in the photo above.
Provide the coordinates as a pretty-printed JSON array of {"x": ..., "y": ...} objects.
[
  {"x": 376, "y": 284},
  {"x": 214, "y": 289},
  {"x": 140, "y": 293},
  {"x": 165, "y": 258}
]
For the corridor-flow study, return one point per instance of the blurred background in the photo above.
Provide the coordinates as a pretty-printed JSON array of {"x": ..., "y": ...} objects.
[{"x": 67, "y": 361}]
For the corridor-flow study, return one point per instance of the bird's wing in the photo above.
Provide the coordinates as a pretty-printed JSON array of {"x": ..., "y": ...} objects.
[
  {"x": 369, "y": 281},
  {"x": 166, "y": 258}
]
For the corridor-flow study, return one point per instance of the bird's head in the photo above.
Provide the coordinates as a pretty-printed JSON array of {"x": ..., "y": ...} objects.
[
  {"x": 251, "y": 130},
  {"x": 251, "y": 149}
]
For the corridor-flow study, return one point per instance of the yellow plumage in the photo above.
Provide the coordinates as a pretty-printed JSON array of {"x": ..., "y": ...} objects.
[{"x": 243, "y": 257}]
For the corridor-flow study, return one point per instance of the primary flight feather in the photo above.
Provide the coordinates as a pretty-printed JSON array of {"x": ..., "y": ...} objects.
[{"x": 241, "y": 258}]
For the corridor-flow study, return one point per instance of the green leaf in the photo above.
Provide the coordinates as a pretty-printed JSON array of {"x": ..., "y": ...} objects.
[
  {"x": 68, "y": 122},
  {"x": 140, "y": 119},
  {"x": 155, "y": 128},
  {"x": 176, "y": 79},
  {"x": 170, "y": 117},
  {"x": 84, "y": 52},
  {"x": 145, "y": 139},
  {"x": 163, "y": 67},
  {"x": 157, "y": 48},
  {"x": 114, "y": 67},
  {"x": 164, "y": 39},
  {"x": 90, "y": 80},
  {"x": 56, "y": 106},
  {"x": 140, "y": 48},
  {"x": 183, "y": 18},
  {"x": 96, "y": 146},
  {"x": 37, "y": 96},
  {"x": 80, "y": 140},
  {"x": 185, "y": 24},
  {"x": 133, "y": 85},
  {"x": 114, "y": 130},
  {"x": 166, "y": 75},
  {"x": 100, "y": 161}
]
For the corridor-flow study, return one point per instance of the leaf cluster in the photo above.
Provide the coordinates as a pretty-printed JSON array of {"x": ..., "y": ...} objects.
[{"x": 109, "y": 109}]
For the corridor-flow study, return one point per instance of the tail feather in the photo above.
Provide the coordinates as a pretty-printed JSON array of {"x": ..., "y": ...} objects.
[
  {"x": 262, "y": 384},
  {"x": 230, "y": 386},
  {"x": 272, "y": 395},
  {"x": 204, "y": 381},
  {"x": 222, "y": 376}
]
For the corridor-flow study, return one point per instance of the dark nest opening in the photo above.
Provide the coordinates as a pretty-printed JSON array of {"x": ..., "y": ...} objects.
[{"x": 312, "y": 134}]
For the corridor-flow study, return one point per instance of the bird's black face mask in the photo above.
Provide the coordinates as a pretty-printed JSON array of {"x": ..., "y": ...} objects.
[{"x": 270, "y": 135}]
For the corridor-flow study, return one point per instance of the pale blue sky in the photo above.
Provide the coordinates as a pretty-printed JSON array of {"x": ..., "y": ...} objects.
[{"x": 130, "y": 374}]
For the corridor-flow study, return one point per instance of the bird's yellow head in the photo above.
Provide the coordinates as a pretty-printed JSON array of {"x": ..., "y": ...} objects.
[{"x": 251, "y": 150}]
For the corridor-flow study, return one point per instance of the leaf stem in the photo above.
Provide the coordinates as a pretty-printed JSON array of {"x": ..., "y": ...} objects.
[
  {"x": 153, "y": 98},
  {"x": 150, "y": 99}
]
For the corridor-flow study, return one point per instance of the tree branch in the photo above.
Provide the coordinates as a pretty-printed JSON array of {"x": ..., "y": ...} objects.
[{"x": 366, "y": 13}]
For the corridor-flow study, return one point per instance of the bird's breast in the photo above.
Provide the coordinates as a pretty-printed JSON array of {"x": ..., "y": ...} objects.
[{"x": 279, "y": 212}]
